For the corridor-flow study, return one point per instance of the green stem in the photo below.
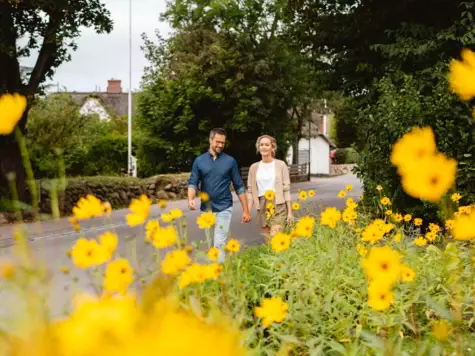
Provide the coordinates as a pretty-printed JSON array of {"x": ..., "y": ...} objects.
[{"x": 29, "y": 172}]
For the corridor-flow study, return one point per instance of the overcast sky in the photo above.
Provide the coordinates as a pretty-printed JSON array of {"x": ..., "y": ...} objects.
[{"x": 103, "y": 57}]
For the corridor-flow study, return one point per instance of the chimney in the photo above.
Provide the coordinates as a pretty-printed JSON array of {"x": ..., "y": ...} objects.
[{"x": 113, "y": 86}]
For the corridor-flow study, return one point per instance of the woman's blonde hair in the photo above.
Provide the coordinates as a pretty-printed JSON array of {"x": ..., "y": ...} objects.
[{"x": 273, "y": 143}]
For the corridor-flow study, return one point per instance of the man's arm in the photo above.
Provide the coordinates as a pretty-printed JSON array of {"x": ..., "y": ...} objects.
[
  {"x": 193, "y": 185},
  {"x": 240, "y": 191}
]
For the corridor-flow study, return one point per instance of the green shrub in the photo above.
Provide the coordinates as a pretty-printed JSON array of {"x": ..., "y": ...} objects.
[
  {"x": 406, "y": 101},
  {"x": 345, "y": 156},
  {"x": 62, "y": 141}
]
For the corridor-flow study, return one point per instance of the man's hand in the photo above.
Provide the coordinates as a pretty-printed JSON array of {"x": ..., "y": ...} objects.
[
  {"x": 191, "y": 204},
  {"x": 246, "y": 217}
]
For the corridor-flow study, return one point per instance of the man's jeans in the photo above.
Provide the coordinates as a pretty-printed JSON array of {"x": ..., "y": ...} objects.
[{"x": 221, "y": 230}]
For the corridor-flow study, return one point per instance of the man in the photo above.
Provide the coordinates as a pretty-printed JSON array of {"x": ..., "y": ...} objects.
[{"x": 215, "y": 170}]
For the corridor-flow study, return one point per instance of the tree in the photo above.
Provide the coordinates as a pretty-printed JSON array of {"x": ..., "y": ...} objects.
[
  {"x": 227, "y": 65},
  {"x": 50, "y": 26},
  {"x": 359, "y": 41}
]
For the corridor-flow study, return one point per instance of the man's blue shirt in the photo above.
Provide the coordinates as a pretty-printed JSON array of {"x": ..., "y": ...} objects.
[{"x": 215, "y": 177}]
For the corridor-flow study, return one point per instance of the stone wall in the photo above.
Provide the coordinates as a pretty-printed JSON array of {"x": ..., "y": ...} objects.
[
  {"x": 337, "y": 169},
  {"x": 118, "y": 191}
]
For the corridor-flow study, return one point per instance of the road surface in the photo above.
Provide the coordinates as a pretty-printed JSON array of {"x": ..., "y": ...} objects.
[{"x": 50, "y": 240}]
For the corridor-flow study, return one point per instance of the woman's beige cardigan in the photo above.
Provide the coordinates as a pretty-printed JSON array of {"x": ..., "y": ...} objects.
[{"x": 282, "y": 183}]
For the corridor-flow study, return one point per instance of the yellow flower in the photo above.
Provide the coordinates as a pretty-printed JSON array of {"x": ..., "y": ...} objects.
[
  {"x": 213, "y": 254},
  {"x": 64, "y": 270},
  {"x": 431, "y": 178},
  {"x": 350, "y": 203},
  {"x": 166, "y": 217},
  {"x": 140, "y": 209},
  {"x": 84, "y": 330},
  {"x": 197, "y": 273},
  {"x": 87, "y": 253},
  {"x": 164, "y": 237},
  {"x": 107, "y": 208},
  {"x": 349, "y": 216},
  {"x": 74, "y": 222},
  {"x": 434, "y": 227},
  {"x": 341, "y": 194},
  {"x": 385, "y": 201},
  {"x": 270, "y": 207},
  {"x": 304, "y": 227},
  {"x": 280, "y": 242},
  {"x": 295, "y": 206},
  {"x": 7, "y": 270},
  {"x": 362, "y": 251},
  {"x": 407, "y": 274},
  {"x": 389, "y": 212},
  {"x": 417, "y": 221},
  {"x": 449, "y": 223},
  {"x": 431, "y": 236},
  {"x": 407, "y": 217},
  {"x": 440, "y": 330},
  {"x": 311, "y": 193},
  {"x": 420, "y": 241},
  {"x": 302, "y": 195},
  {"x": 118, "y": 276},
  {"x": 109, "y": 242},
  {"x": 150, "y": 229},
  {"x": 233, "y": 246},
  {"x": 382, "y": 263},
  {"x": 176, "y": 213},
  {"x": 272, "y": 310},
  {"x": 329, "y": 217},
  {"x": 397, "y": 217},
  {"x": 379, "y": 188},
  {"x": 12, "y": 107},
  {"x": 88, "y": 207},
  {"x": 397, "y": 237},
  {"x": 175, "y": 261},
  {"x": 349, "y": 187},
  {"x": 456, "y": 197},
  {"x": 206, "y": 220},
  {"x": 380, "y": 296},
  {"x": 204, "y": 197},
  {"x": 269, "y": 195},
  {"x": 162, "y": 203},
  {"x": 412, "y": 148},
  {"x": 462, "y": 75},
  {"x": 464, "y": 226}
]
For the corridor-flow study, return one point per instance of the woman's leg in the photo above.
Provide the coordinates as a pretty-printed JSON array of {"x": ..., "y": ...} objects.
[{"x": 266, "y": 233}]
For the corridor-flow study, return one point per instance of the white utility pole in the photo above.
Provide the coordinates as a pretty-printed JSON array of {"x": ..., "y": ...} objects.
[{"x": 129, "y": 158}]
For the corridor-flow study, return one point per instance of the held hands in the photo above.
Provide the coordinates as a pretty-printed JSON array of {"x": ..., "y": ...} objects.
[{"x": 246, "y": 217}]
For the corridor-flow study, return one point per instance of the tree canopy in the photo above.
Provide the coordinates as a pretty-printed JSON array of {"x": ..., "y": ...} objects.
[
  {"x": 227, "y": 65},
  {"x": 49, "y": 27}
]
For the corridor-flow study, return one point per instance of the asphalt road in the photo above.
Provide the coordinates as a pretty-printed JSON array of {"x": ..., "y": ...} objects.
[{"x": 51, "y": 239}]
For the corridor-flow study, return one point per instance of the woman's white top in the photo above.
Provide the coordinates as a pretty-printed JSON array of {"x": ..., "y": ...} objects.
[{"x": 265, "y": 177}]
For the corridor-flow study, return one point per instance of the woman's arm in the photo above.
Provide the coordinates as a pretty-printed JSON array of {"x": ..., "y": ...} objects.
[
  {"x": 286, "y": 189},
  {"x": 249, "y": 190}
]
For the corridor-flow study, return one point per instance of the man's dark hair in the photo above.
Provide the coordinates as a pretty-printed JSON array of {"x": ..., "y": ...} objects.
[{"x": 217, "y": 131}]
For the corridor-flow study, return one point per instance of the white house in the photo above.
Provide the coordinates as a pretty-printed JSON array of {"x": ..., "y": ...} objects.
[
  {"x": 113, "y": 101},
  {"x": 315, "y": 145}
]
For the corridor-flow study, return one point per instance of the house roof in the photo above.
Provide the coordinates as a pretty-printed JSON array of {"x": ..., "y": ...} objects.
[
  {"x": 330, "y": 142},
  {"x": 118, "y": 103}
]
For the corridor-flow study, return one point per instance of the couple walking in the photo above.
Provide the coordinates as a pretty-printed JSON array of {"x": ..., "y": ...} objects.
[{"x": 215, "y": 171}]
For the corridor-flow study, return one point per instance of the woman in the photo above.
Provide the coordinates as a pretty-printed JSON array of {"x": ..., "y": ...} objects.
[{"x": 269, "y": 174}]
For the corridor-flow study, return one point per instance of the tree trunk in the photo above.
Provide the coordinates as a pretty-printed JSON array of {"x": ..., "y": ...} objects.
[
  {"x": 11, "y": 162},
  {"x": 295, "y": 150}
]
